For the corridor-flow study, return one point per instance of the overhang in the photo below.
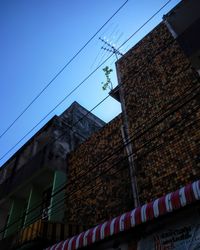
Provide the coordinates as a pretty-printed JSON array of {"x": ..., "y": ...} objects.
[{"x": 155, "y": 209}]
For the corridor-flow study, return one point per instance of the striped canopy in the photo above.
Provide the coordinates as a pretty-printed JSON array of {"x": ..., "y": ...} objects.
[{"x": 166, "y": 204}]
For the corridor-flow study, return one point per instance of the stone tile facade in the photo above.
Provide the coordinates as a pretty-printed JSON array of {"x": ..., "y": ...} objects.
[
  {"x": 98, "y": 178},
  {"x": 161, "y": 92}
]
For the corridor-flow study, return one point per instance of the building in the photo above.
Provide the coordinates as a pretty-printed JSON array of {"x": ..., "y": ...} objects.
[
  {"x": 146, "y": 160},
  {"x": 160, "y": 93},
  {"x": 159, "y": 89},
  {"x": 32, "y": 176}
]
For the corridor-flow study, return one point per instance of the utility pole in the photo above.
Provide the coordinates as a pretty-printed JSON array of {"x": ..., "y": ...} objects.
[{"x": 125, "y": 127}]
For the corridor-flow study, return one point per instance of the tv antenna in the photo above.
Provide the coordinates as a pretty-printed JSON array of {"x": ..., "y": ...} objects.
[{"x": 110, "y": 48}]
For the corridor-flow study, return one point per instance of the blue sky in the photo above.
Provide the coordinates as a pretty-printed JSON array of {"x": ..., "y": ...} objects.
[{"x": 39, "y": 37}]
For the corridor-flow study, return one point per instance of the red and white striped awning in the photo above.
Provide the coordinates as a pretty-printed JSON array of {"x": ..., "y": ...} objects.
[{"x": 166, "y": 204}]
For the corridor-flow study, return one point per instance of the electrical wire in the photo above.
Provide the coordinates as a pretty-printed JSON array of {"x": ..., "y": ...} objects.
[
  {"x": 62, "y": 69},
  {"x": 183, "y": 97},
  {"x": 116, "y": 151},
  {"x": 142, "y": 146},
  {"x": 94, "y": 178},
  {"x": 32, "y": 210},
  {"x": 140, "y": 132},
  {"x": 51, "y": 111},
  {"x": 81, "y": 83},
  {"x": 144, "y": 24},
  {"x": 138, "y": 149},
  {"x": 132, "y": 138}
]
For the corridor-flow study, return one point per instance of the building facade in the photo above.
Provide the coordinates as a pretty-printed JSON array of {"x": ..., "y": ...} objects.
[
  {"x": 158, "y": 88},
  {"x": 145, "y": 161},
  {"x": 31, "y": 178},
  {"x": 157, "y": 139}
]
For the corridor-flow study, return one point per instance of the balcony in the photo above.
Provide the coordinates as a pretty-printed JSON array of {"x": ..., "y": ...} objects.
[
  {"x": 45, "y": 161},
  {"x": 40, "y": 234},
  {"x": 27, "y": 170}
]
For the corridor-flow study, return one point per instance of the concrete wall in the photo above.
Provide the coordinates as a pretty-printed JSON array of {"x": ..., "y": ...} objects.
[
  {"x": 49, "y": 146},
  {"x": 29, "y": 150},
  {"x": 70, "y": 129},
  {"x": 33, "y": 165}
]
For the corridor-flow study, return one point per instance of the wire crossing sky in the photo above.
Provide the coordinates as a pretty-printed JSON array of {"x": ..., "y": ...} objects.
[
  {"x": 85, "y": 79},
  {"x": 63, "y": 68},
  {"x": 38, "y": 37}
]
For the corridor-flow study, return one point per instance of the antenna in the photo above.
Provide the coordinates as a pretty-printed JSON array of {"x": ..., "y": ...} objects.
[{"x": 111, "y": 48}]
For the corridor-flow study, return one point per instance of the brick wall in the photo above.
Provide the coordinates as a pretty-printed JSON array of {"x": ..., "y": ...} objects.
[
  {"x": 162, "y": 101},
  {"x": 98, "y": 178}
]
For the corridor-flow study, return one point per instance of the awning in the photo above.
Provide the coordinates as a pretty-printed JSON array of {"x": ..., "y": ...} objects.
[{"x": 166, "y": 204}]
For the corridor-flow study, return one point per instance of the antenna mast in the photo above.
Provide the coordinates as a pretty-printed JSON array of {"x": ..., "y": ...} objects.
[{"x": 110, "y": 48}]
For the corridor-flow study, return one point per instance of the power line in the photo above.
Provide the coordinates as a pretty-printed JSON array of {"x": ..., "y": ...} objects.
[
  {"x": 140, "y": 70},
  {"x": 62, "y": 69},
  {"x": 55, "y": 193},
  {"x": 84, "y": 80},
  {"x": 89, "y": 182},
  {"x": 159, "y": 116},
  {"x": 146, "y": 143},
  {"x": 40, "y": 123},
  {"x": 184, "y": 97},
  {"x": 100, "y": 50},
  {"x": 111, "y": 48},
  {"x": 37, "y": 217},
  {"x": 145, "y": 23},
  {"x": 139, "y": 133}
]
